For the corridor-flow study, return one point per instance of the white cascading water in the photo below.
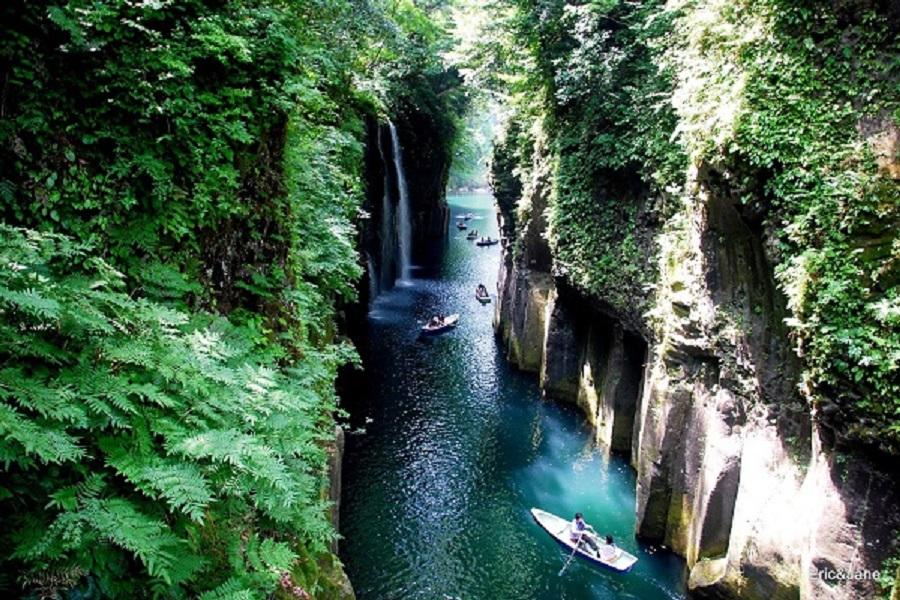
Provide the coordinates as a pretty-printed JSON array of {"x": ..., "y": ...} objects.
[
  {"x": 387, "y": 223},
  {"x": 404, "y": 226},
  {"x": 373, "y": 278}
]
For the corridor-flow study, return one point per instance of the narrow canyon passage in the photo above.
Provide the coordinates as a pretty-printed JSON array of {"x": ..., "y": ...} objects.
[{"x": 458, "y": 446}]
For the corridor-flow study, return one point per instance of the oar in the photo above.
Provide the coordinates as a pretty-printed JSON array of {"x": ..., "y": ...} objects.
[{"x": 571, "y": 556}]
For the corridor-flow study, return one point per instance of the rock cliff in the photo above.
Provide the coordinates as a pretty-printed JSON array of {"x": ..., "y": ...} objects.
[
  {"x": 426, "y": 169},
  {"x": 427, "y": 160},
  {"x": 341, "y": 586},
  {"x": 701, "y": 391}
]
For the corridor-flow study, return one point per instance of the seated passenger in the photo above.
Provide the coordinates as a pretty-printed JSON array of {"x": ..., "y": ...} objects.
[{"x": 583, "y": 534}]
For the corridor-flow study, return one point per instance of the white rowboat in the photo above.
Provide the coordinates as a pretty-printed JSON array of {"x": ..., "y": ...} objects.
[
  {"x": 449, "y": 323},
  {"x": 611, "y": 557}
]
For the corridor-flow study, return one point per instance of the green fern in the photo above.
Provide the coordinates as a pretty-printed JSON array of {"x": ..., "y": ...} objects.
[{"x": 145, "y": 435}]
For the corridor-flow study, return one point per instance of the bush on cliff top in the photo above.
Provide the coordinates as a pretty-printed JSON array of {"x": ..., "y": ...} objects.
[{"x": 803, "y": 84}]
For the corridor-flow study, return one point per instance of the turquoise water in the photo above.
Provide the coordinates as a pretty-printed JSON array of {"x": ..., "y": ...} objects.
[{"x": 458, "y": 447}]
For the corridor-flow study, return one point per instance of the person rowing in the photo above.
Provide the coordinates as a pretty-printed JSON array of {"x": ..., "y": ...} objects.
[
  {"x": 583, "y": 535},
  {"x": 481, "y": 290}
]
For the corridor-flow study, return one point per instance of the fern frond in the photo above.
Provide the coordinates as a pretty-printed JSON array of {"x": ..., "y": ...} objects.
[
  {"x": 31, "y": 302},
  {"x": 50, "y": 401},
  {"x": 181, "y": 485},
  {"x": 233, "y": 589},
  {"x": 172, "y": 435},
  {"x": 42, "y": 439},
  {"x": 150, "y": 540}
]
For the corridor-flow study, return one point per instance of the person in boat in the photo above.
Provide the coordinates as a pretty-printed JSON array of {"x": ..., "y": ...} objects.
[
  {"x": 583, "y": 534},
  {"x": 481, "y": 290},
  {"x": 608, "y": 551}
]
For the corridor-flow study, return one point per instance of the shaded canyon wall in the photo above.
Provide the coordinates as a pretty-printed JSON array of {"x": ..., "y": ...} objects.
[{"x": 425, "y": 171}]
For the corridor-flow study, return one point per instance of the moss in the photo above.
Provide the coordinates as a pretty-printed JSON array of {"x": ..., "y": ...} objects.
[
  {"x": 790, "y": 107},
  {"x": 678, "y": 523}
]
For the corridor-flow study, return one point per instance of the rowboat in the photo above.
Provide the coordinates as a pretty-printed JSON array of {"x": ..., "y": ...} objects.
[
  {"x": 609, "y": 556},
  {"x": 449, "y": 323},
  {"x": 462, "y": 225},
  {"x": 472, "y": 235},
  {"x": 483, "y": 299},
  {"x": 487, "y": 242}
]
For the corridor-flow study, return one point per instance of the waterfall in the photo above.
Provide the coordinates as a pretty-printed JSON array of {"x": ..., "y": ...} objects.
[
  {"x": 373, "y": 278},
  {"x": 386, "y": 264},
  {"x": 404, "y": 226},
  {"x": 390, "y": 262}
]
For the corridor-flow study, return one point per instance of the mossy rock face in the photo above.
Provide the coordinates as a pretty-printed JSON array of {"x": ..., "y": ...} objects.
[
  {"x": 333, "y": 579},
  {"x": 564, "y": 348},
  {"x": 678, "y": 522},
  {"x": 712, "y": 580},
  {"x": 522, "y": 317},
  {"x": 706, "y": 574},
  {"x": 515, "y": 350}
]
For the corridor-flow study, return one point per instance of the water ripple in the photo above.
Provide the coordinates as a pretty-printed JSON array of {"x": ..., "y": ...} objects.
[{"x": 460, "y": 446}]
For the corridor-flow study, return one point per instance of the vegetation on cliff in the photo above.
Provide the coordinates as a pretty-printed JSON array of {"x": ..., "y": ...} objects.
[
  {"x": 785, "y": 108},
  {"x": 178, "y": 188},
  {"x": 179, "y": 182}
]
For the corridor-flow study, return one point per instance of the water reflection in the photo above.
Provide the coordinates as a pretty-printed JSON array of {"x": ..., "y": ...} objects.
[{"x": 460, "y": 446}]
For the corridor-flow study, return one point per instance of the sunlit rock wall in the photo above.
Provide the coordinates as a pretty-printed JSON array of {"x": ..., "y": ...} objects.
[{"x": 703, "y": 395}]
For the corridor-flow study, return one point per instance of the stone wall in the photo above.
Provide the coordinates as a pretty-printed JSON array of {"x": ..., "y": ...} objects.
[{"x": 341, "y": 589}]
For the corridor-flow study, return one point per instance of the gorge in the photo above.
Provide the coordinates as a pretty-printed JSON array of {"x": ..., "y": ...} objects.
[
  {"x": 457, "y": 446},
  {"x": 224, "y": 224},
  {"x": 667, "y": 312},
  {"x": 730, "y": 486}
]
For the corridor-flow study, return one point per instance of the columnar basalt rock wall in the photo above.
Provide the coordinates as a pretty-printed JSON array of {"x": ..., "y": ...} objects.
[
  {"x": 703, "y": 394},
  {"x": 342, "y": 585}
]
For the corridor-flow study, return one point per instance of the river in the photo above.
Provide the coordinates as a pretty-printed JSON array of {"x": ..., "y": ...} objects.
[{"x": 458, "y": 446}]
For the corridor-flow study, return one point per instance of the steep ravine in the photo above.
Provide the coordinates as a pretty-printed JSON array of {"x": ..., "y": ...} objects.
[
  {"x": 425, "y": 170},
  {"x": 701, "y": 392}
]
